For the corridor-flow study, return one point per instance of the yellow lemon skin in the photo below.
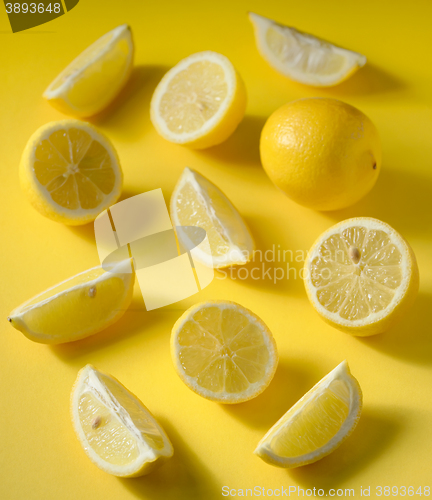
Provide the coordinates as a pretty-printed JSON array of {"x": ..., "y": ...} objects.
[{"x": 322, "y": 153}]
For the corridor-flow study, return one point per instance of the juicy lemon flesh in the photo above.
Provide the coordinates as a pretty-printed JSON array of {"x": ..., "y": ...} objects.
[
  {"x": 75, "y": 169},
  {"x": 86, "y": 305},
  {"x": 193, "y": 96},
  {"x": 309, "y": 55},
  {"x": 110, "y": 439},
  {"x": 315, "y": 425},
  {"x": 222, "y": 350},
  {"x": 193, "y": 210},
  {"x": 354, "y": 290}
]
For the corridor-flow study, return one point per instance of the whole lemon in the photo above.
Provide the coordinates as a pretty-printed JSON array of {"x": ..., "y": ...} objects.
[{"x": 322, "y": 153}]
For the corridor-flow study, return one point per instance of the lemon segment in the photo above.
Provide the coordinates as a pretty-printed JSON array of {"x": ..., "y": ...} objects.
[
  {"x": 303, "y": 57},
  {"x": 198, "y": 202},
  {"x": 223, "y": 352},
  {"x": 78, "y": 307},
  {"x": 199, "y": 102},
  {"x": 317, "y": 424},
  {"x": 322, "y": 153},
  {"x": 70, "y": 172},
  {"x": 117, "y": 432},
  {"x": 92, "y": 80},
  {"x": 361, "y": 276}
]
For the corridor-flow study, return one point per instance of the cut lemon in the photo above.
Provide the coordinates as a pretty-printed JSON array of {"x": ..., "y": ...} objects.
[
  {"x": 199, "y": 102},
  {"x": 95, "y": 77},
  {"x": 117, "y": 432},
  {"x": 317, "y": 424},
  {"x": 198, "y": 202},
  {"x": 361, "y": 276},
  {"x": 303, "y": 57},
  {"x": 78, "y": 307},
  {"x": 223, "y": 352},
  {"x": 70, "y": 172}
]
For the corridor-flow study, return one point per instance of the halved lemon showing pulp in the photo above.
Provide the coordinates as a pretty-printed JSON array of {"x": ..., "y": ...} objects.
[
  {"x": 70, "y": 172},
  {"x": 303, "y": 57},
  {"x": 199, "y": 102},
  {"x": 317, "y": 424},
  {"x": 92, "y": 80},
  {"x": 117, "y": 432},
  {"x": 223, "y": 352},
  {"x": 198, "y": 202},
  {"x": 361, "y": 276}
]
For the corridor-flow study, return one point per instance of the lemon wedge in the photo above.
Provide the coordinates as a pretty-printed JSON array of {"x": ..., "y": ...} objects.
[
  {"x": 223, "y": 352},
  {"x": 199, "y": 102},
  {"x": 70, "y": 172},
  {"x": 78, "y": 307},
  {"x": 118, "y": 433},
  {"x": 317, "y": 424},
  {"x": 198, "y": 202},
  {"x": 303, "y": 57},
  {"x": 361, "y": 276},
  {"x": 95, "y": 77}
]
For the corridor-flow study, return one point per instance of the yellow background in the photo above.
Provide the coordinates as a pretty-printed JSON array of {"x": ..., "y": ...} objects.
[{"x": 40, "y": 456}]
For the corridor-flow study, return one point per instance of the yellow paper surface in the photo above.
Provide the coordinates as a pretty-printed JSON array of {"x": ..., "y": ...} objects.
[{"x": 40, "y": 456}]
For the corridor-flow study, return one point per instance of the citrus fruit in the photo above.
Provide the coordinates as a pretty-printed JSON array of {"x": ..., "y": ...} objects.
[
  {"x": 117, "y": 432},
  {"x": 322, "y": 153},
  {"x": 77, "y": 307},
  {"x": 223, "y": 351},
  {"x": 198, "y": 202},
  {"x": 95, "y": 77},
  {"x": 317, "y": 424},
  {"x": 199, "y": 102},
  {"x": 70, "y": 172},
  {"x": 361, "y": 276},
  {"x": 303, "y": 57}
]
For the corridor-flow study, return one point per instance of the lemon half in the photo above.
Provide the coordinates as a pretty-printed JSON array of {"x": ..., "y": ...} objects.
[
  {"x": 361, "y": 276},
  {"x": 199, "y": 102},
  {"x": 223, "y": 351},
  {"x": 117, "y": 432},
  {"x": 70, "y": 172},
  {"x": 317, "y": 424}
]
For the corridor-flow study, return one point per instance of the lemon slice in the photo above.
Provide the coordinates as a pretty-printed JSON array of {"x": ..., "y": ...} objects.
[
  {"x": 78, "y": 307},
  {"x": 199, "y": 102},
  {"x": 303, "y": 57},
  {"x": 95, "y": 77},
  {"x": 223, "y": 352},
  {"x": 317, "y": 424},
  {"x": 198, "y": 202},
  {"x": 361, "y": 276},
  {"x": 117, "y": 432},
  {"x": 70, "y": 172}
]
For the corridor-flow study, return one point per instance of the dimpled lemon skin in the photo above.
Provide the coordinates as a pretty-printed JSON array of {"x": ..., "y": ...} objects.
[{"x": 322, "y": 153}]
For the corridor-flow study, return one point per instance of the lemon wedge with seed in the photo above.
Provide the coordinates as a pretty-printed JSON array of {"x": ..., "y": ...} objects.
[
  {"x": 317, "y": 424},
  {"x": 223, "y": 352},
  {"x": 92, "y": 80},
  {"x": 78, "y": 307},
  {"x": 199, "y": 102},
  {"x": 303, "y": 57},
  {"x": 117, "y": 432},
  {"x": 361, "y": 276},
  {"x": 70, "y": 172},
  {"x": 198, "y": 202}
]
